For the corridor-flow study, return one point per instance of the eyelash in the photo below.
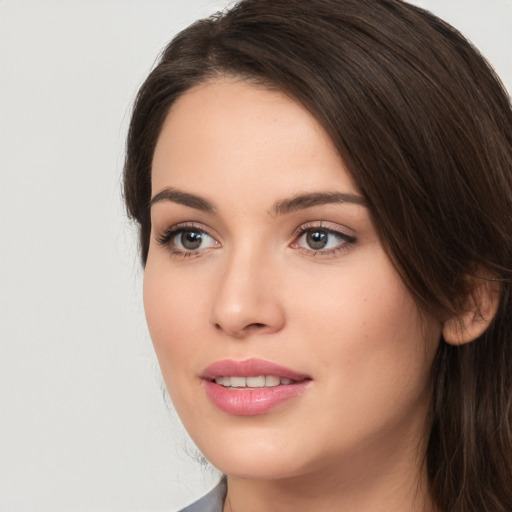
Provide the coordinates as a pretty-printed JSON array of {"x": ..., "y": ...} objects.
[
  {"x": 346, "y": 240},
  {"x": 166, "y": 240}
]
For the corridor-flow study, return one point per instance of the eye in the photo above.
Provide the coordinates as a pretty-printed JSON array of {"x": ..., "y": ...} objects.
[
  {"x": 190, "y": 240},
  {"x": 321, "y": 240},
  {"x": 186, "y": 240}
]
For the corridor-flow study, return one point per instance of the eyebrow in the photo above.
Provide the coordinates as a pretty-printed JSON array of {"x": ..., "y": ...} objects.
[
  {"x": 281, "y": 207},
  {"x": 184, "y": 198},
  {"x": 303, "y": 201}
]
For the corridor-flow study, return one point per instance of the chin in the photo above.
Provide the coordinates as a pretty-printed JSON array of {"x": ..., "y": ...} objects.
[
  {"x": 249, "y": 455},
  {"x": 257, "y": 468}
]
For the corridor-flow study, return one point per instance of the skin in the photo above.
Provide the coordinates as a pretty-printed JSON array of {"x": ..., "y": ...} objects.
[{"x": 354, "y": 440}]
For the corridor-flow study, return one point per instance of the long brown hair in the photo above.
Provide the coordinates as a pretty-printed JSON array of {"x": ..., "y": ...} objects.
[{"x": 425, "y": 128}]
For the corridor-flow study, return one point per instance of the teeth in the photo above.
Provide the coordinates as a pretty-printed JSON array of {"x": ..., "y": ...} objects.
[
  {"x": 255, "y": 382},
  {"x": 238, "y": 382},
  {"x": 271, "y": 380},
  {"x": 261, "y": 381},
  {"x": 223, "y": 381}
]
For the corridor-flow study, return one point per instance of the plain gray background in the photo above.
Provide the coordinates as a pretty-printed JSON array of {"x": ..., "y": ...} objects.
[{"x": 83, "y": 424}]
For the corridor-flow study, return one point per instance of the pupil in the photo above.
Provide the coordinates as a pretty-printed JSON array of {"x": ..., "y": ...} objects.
[
  {"x": 317, "y": 239},
  {"x": 191, "y": 239}
]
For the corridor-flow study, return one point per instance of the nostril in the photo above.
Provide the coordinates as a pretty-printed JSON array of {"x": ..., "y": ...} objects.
[
  {"x": 246, "y": 330},
  {"x": 255, "y": 326}
]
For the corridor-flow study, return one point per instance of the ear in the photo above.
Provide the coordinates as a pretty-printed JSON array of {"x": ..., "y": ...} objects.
[{"x": 478, "y": 311}]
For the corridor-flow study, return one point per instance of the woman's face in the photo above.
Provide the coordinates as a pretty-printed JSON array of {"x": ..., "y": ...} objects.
[{"x": 265, "y": 270}]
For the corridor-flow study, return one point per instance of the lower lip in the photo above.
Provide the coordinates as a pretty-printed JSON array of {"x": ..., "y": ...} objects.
[{"x": 252, "y": 401}]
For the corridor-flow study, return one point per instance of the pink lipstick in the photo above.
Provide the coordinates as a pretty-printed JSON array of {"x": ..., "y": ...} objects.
[{"x": 252, "y": 386}]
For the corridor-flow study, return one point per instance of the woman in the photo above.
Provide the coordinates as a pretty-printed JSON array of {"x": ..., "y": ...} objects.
[{"x": 324, "y": 195}]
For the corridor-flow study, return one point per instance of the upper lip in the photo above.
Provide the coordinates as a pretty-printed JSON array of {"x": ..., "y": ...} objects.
[{"x": 249, "y": 368}]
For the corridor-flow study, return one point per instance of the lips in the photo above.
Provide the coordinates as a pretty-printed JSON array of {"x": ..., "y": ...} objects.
[
  {"x": 260, "y": 381},
  {"x": 252, "y": 386}
]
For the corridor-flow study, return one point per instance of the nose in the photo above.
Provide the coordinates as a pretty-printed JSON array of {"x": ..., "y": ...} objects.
[{"x": 248, "y": 300}]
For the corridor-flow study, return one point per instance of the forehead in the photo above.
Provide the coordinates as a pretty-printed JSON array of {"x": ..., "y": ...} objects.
[{"x": 238, "y": 135}]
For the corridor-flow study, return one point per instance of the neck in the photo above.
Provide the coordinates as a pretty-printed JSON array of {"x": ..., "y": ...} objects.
[{"x": 390, "y": 480}]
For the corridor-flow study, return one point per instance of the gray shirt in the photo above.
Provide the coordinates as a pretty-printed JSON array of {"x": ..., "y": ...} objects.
[{"x": 212, "y": 502}]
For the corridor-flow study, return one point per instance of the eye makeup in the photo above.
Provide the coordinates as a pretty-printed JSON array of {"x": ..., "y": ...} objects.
[
  {"x": 186, "y": 240},
  {"x": 316, "y": 239}
]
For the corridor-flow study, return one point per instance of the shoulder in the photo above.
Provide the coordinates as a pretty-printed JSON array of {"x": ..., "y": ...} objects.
[{"x": 211, "y": 502}]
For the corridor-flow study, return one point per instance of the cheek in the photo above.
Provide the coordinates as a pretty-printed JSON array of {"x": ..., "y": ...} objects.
[
  {"x": 173, "y": 306},
  {"x": 364, "y": 326},
  {"x": 362, "y": 300}
]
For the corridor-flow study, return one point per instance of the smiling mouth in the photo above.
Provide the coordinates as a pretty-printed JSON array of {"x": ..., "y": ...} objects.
[
  {"x": 260, "y": 381},
  {"x": 252, "y": 386}
]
